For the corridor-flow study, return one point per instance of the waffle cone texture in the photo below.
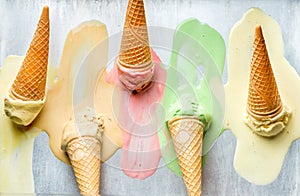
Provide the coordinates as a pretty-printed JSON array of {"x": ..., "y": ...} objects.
[
  {"x": 135, "y": 50},
  {"x": 84, "y": 154},
  {"x": 187, "y": 135},
  {"x": 134, "y": 63},
  {"x": 263, "y": 97},
  {"x": 30, "y": 82}
]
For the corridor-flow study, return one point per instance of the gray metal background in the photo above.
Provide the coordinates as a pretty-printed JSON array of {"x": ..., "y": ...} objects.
[{"x": 17, "y": 24}]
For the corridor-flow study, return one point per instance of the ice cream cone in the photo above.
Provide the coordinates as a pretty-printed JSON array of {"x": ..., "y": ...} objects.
[
  {"x": 135, "y": 56},
  {"x": 84, "y": 154},
  {"x": 264, "y": 101},
  {"x": 187, "y": 135},
  {"x": 30, "y": 83},
  {"x": 81, "y": 140},
  {"x": 26, "y": 96}
]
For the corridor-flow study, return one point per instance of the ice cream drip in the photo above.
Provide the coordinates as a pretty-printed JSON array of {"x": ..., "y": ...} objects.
[
  {"x": 136, "y": 115},
  {"x": 79, "y": 43},
  {"x": 16, "y": 142}
]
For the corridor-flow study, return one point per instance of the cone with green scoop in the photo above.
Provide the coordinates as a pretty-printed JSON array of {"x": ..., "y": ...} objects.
[{"x": 194, "y": 112}]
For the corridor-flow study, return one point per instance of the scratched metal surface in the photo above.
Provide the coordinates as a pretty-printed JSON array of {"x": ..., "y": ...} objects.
[{"x": 18, "y": 21}]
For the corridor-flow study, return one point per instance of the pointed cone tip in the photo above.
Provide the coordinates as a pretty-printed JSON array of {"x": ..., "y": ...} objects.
[
  {"x": 258, "y": 31},
  {"x": 45, "y": 13}
]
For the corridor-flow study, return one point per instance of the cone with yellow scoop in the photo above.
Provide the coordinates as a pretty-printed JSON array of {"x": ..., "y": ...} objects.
[
  {"x": 187, "y": 136},
  {"x": 134, "y": 62},
  {"x": 266, "y": 113},
  {"x": 27, "y": 94}
]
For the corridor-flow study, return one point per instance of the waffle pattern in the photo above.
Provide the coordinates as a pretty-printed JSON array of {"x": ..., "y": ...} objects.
[
  {"x": 263, "y": 96},
  {"x": 30, "y": 82},
  {"x": 84, "y": 154},
  {"x": 187, "y": 135},
  {"x": 135, "y": 50}
]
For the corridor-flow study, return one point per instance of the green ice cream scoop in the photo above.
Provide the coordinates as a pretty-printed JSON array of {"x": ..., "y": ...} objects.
[{"x": 194, "y": 85}]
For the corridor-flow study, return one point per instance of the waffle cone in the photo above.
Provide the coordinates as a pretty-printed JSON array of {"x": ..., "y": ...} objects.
[
  {"x": 30, "y": 82},
  {"x": 135, "y": 50},
  {"x": 84, "y": 154},
  {"x": 187, "y": 135},
  {"x": 263, "y": 97}
]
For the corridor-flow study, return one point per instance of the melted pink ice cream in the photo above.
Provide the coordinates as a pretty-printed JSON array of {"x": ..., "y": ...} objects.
[{"x": 137, "y": 116}]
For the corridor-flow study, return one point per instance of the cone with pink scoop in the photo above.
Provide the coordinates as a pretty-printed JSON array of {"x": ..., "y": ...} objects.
[
  {"x": 134, "y": 62},
  {"x": 187, "y": 136},
  {"x": 266, "y": 113},
  {"x": 27, "y": 94},
  {"x": 82, "y": 138}
]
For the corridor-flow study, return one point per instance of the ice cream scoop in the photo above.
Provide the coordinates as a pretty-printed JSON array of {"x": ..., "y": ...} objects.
[
  {"x": 266, "y": 114},
  {"x": 82, "y": 139},
  {"x": 27, "y": 94},
  {"x": 134, "y": 62},
  {"x": 187, "y": 135}
]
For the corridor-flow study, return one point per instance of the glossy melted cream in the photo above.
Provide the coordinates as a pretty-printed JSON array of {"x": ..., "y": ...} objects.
[
  {"x": 112, "y": 137},
  {"x": 259, "y": 159},
  {"x": 137, "y": 117},
  {"x": 58, "y": 109},
  {"x": 16, "y": 142}
]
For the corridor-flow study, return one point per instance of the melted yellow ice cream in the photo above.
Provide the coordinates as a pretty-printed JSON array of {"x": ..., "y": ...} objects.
[
  {"x": 259, "y": 159},
  {"x": 16, "y": 142},
  {"x": 58, "y": 110}
]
